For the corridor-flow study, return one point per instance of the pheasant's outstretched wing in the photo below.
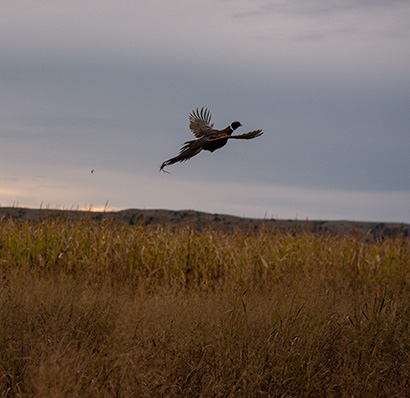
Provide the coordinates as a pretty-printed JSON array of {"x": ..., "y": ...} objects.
[
  {"x": 200, "y": 122},
  {"x": 189, "y": 150},
  {"x": 246, "y": 136}
]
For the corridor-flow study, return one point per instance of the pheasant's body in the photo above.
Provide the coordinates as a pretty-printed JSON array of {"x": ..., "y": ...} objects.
[
  {"x": 214, "y": 145},
  {"x": 208, "y": 139}
]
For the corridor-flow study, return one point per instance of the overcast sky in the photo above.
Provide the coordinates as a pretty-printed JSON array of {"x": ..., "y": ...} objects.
[{"x": 108, "y": 86}]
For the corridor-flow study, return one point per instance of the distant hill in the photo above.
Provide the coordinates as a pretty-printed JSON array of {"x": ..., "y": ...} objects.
[{"x": 200, "y": 220}]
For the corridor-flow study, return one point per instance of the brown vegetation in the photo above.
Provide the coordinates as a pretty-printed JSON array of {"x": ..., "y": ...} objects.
[{"x": 98, "y": 308}]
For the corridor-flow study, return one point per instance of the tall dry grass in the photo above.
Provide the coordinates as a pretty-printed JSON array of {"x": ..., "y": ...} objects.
[{"x": 93, "y": 309}]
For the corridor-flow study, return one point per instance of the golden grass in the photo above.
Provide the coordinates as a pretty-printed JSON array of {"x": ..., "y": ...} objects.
[{"x": 93, "y": 309}]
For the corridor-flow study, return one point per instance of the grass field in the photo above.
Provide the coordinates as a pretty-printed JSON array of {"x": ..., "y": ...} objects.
[{"x": 99, "y": 309}]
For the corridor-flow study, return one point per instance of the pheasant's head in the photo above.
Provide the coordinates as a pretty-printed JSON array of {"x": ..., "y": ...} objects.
[{"x": 235, "y": 125}]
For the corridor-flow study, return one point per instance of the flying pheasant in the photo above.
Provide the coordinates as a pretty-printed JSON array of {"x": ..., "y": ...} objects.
[{"x": 208, "y": 139}]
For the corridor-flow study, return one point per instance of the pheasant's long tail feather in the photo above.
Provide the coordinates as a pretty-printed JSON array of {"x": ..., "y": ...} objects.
[{"x": 188, "y": 150}]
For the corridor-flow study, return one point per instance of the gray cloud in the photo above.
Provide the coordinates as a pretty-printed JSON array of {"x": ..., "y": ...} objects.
[
  {"x": 322, "y": 20},
  {"x": 319, "y": 8}
]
